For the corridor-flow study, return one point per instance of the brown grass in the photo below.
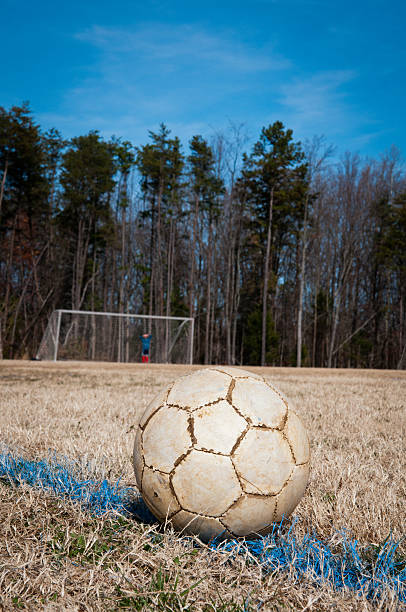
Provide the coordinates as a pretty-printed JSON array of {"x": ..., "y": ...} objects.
[{"x": 54, "y": 556}]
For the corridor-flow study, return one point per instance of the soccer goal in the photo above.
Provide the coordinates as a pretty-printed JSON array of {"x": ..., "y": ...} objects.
[{"x": 108, "y": 336}]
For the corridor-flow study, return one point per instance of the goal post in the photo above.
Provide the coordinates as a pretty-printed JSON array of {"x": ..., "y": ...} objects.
[{"x": 108, "y": 336}]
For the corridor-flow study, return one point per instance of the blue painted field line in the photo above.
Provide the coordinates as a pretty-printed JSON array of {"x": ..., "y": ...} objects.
[
  {"x": 280, "y": 551},
  {"x": 65, "y": 478}
]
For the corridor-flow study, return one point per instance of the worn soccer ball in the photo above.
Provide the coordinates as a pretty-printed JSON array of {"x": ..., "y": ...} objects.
[{"x": 220, "y": 453}]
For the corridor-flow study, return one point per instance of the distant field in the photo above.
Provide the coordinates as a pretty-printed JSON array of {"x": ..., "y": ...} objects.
[{"x": 56, "y": 556}]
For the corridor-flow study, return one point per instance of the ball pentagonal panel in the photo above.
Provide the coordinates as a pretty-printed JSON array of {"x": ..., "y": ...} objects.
[
  {"x": 249, "y": 514},
  {"x": 157, "y": 494},
  {"x": 138, "y": 460},
  {"x": 238, "y": 372},
  {"x": 298, "y": 439},
  {"x": 293, "y": 491},
  {"x": 259, "y": 403},
  {"x": 153, "y": 406},
  {"x": 263, "y": 461},
  {"x": 166, "y": 438},
  {"x": 198, "y": 389},
  {"x": 205, "y": 527},
  {"x": 206, "y": 483},
  {"x": 217, "y": 427}
]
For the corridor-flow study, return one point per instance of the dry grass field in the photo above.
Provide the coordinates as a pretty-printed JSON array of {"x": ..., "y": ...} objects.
[{"x": 54, "y": 555}]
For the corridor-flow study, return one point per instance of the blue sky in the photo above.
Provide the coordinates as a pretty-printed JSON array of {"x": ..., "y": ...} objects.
[{"x": 332, "y": 68}]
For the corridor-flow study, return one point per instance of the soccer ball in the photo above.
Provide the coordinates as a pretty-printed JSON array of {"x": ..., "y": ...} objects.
[{"x": 220, "y": 453}]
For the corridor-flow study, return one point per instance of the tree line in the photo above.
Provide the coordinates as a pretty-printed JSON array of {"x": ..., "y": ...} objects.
[{"x": 281, "y": 253}]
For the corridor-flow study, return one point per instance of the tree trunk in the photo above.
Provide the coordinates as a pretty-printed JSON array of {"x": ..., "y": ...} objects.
[
  {"x": 169, "y": 282},
  {"x": 208, "y": 298},
  {"x": 3, "y": 184},
  {"x": 337, "y": 307},
  {"x": 193, "y": 262},
  {"x": 159, "y": 275},
  {"x": 4, "y": 318},
  {"x": 266, "y": 280},
  {"x": 301, "y": 288}
]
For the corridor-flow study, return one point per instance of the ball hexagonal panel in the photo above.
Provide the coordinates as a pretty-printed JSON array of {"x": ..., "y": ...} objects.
[
  {"x": 138, "y": 459},
  {"x": 263, "y": 461},
  {"x": 205, "y": 527},
  {"x": 198, "y": 389},
  {"x": 238, "y": 372},
  {"x": 217, "y": 427},
  {"x": 166, "y": 438},
  {"x": 249, "y": 514},
  {"x": 205, "y": 483},
  {"x": 153, "y": 406},
  {"x": 259, "y": 403},
  {"x": 292, "y": 493},
  {"x": 157, "y": 494},
  {"x": 298, "y": 439}
]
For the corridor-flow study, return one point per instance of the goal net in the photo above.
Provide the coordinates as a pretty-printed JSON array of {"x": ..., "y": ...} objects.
[{"x": 107, "y": 336}]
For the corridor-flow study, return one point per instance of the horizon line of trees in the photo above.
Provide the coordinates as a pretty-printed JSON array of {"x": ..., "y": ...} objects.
[{"x": 282, "y": 254}]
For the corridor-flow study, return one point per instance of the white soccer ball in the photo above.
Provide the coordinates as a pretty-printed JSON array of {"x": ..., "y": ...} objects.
[{"x": 220, "y": 453}]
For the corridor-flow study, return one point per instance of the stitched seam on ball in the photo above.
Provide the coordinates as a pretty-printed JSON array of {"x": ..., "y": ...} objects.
[
  {"x": 266, "y": 428},
  {"x": 246, "y": 418},
  {"x": 168, "y": 390},
  {"x": 252, "y": 484},
  {"x": 230, "y": 531},
  {"x": 167, "y": 516},
  {"x": 172, "y": 488},
  {"x": 180, "y": 459},
  {"x": 198, "y": 514},
  {"x": 178, "y": 406},
  {"x": 241, "y": 478},
  {"x": 236, "y": 499},
  {"x": 154, "y": 469},
  {"x": 275, "y": 511},
  {"x": 191, "y": 430},
  {"x": 270, "y": 385},
  {"x": 261, "y": 495},
  {"x": 142, "y": 475},
  {"x": 190, "y": 409},
  {"x": 143, "y": 458},
  {"x": 289, "y": 444},
  {"x": 143, "y": 427},
  {"x": 284, "y": 419},
  {"x": 221, "y": 372},
  {"x": 177, "y": 512},
  {"x": 230, "y": 391},
  {"x": 219, "y": 399},
  {"x": 232, "y": 375},
  {"x": 229, "y": 400},
  {"x": 210, "y": 451},
  {"x": 239, "y": 439},
  {"x": 287, "y": 481},
  {"x": 159, "y": 407}
]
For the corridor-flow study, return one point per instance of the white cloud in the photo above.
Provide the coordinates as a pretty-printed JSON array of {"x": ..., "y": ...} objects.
[
  {"x": 322, "y": 104},
  {"x": 183, "y": 75},
  {"x": 183, "y": 46},
  {"x": 191, "y": 79},
  {"x": 318, "y": 100}
]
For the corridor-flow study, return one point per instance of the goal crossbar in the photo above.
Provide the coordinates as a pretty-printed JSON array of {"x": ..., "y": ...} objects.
[
  {"x": 114, "y": 336},
  {"x": 125, "y": 314}
]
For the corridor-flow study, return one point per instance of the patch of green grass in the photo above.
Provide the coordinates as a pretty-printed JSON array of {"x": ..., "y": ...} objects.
[
  {"x": 164, "y": 595},
  {"x": 372, "y": 552},
  {"x": 329, "y": 497},
  {"x": 17, "y": 603},
  {"x": 84, "y": 547}
]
